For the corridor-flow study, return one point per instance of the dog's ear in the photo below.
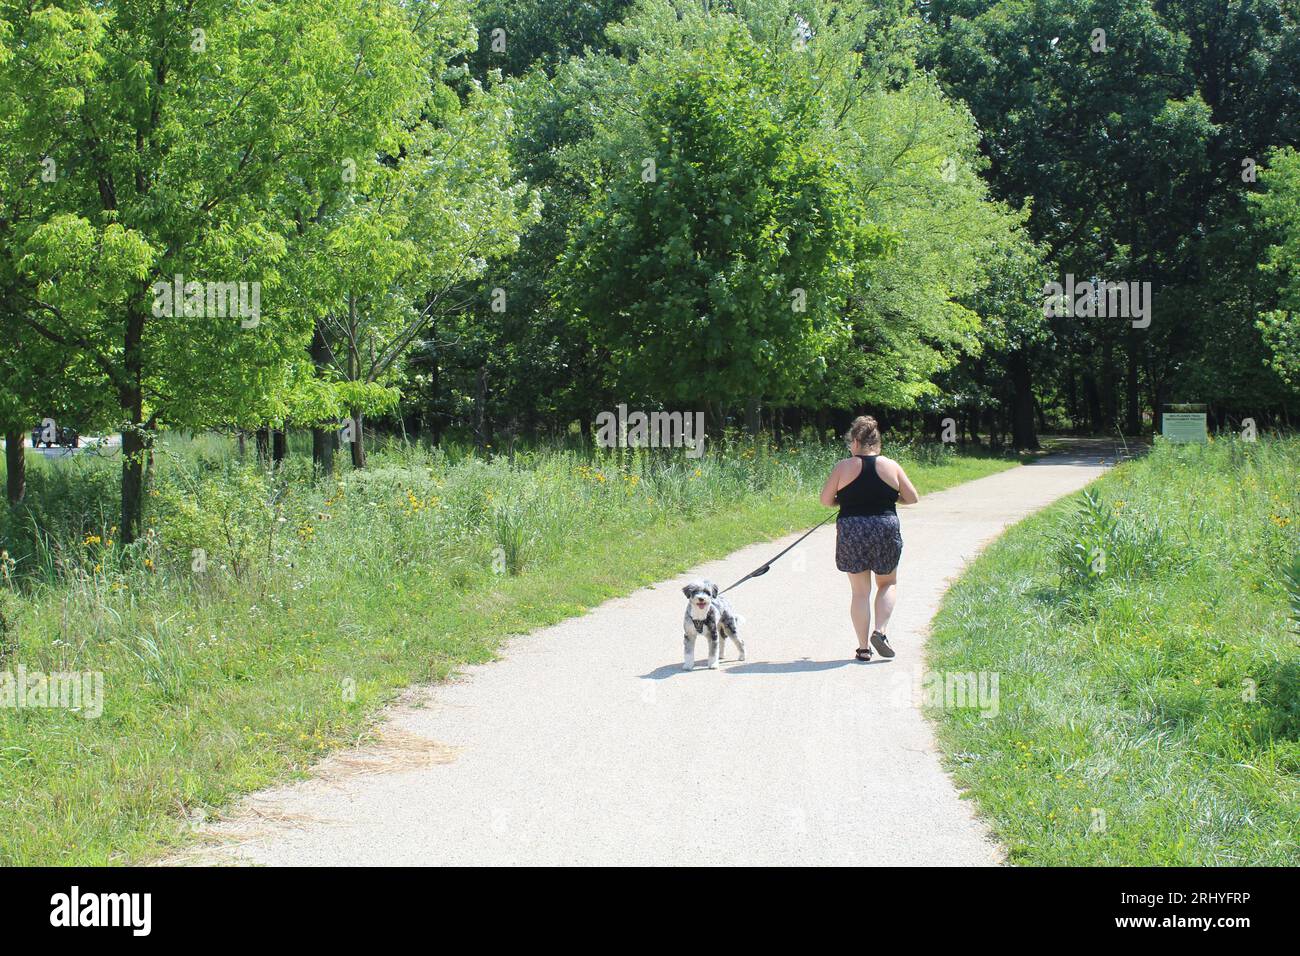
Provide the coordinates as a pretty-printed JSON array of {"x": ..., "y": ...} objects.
[
  {"x": 713, "y": 589},
  {"x": 688, "y": 590}
]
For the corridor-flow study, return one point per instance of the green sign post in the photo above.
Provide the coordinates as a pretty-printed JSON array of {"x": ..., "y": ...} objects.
[{"x": 1184, "y": 423}]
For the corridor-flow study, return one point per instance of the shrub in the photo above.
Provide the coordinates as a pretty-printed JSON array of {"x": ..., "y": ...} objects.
[{"x": 229, "y": 515}]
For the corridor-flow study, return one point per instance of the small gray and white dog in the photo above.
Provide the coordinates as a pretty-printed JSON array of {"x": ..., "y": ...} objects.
[{"x": 707, "y": 613}]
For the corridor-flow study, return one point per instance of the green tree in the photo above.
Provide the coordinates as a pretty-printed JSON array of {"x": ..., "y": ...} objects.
[
  {"x": 714, "y": 255},
  {"x": 990, "y": 387},
  {"x": 1131, "y": 129},
  {"x": 515, "y": 35},
  {"x": 396, "y": 256},
  {"x": 189, "y": 134},
  {"x": 40, "y": 378},
  {"x": 1278, "y": 210},
  {"x": 899, "y": 228}
]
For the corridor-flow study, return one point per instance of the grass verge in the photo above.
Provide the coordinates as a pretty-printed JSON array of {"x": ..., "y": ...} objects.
[{"x": 1146, "y": 640}]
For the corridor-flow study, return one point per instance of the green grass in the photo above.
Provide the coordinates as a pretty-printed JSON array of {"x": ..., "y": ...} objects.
[
  {"x": 1149, "y": 702},
  {"x": 319, "y": 601}
]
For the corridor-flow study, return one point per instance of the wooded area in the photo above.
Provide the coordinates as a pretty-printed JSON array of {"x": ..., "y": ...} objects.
[{"x": 494, "y": 219}]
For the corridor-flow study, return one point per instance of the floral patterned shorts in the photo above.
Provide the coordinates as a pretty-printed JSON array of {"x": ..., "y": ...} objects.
[{"x": 868, "y": 543}]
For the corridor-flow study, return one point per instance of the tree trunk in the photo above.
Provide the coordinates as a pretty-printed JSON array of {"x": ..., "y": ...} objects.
[
  {"x": 279, "y": 445},
  {"x": 1109, "y": 389},
  {"x": 133, "y": 459},
  {"x": 715, "y": 418},
  {"x": 322, "y": 440},
  {"x": 753, "y": 416},
  {"x": 358, "y": 440},
  {"x": 263, "y": 445},
  {"x": 1023, "y": 435},
  {"x": 16, "y": 465},
  {"x": 354, "y": 375},
  {"x": 1133, "y": 399},
  {"x": 433, "y": 414},
  {"x": 1072, "y": 397},
  {"x": 1093, "y": 400},
  {"x": 322, "y": 449},
  {"x": 480, "y": 409}
]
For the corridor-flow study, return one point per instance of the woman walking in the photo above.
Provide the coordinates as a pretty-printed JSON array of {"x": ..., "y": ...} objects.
[{"x": 868, "y": 539}]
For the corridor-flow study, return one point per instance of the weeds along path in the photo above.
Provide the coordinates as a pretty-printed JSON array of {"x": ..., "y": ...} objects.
[{"x": 587, "y": 744}]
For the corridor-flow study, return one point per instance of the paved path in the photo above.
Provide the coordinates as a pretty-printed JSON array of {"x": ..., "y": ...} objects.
[{"x": 586, "y": 743}]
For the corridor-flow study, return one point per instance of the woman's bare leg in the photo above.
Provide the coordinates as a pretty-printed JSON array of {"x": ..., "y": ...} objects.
[
  {"x": 886, "y": 595},
  {"x": 860, "y": 606}
]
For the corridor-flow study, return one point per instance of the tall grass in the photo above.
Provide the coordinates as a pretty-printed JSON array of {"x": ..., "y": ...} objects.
[
  {"x": 437, "y": 507},
  {"x": 267, "y": 613},
  {"x": 1149, "y": 673}
]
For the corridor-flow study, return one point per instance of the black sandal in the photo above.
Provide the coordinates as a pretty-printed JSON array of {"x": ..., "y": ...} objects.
[
  {"x": 881, "y": 644},
  {"x": 862, "y": 654}
]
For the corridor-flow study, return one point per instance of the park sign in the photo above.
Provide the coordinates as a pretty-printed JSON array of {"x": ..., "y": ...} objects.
[{"x": 1183, "y": 423}]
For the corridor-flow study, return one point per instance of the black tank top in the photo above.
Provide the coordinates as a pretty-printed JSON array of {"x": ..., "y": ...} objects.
[{"x": 867, "y": 494}]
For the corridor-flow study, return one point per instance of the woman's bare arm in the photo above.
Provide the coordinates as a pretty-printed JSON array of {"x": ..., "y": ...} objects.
[
  {"x": 832, "y": 486},
  {"x": 906, "y": 490}
]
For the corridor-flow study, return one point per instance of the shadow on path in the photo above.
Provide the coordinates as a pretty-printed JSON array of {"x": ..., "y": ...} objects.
[
  {"x": 795, "y": 667},
  {"x": 761, "y": 667},
  {"x": 1070, "y": 450}
]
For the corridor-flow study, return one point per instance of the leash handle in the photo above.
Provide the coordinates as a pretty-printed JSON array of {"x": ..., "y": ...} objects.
[{"x": 767, "y": 566}]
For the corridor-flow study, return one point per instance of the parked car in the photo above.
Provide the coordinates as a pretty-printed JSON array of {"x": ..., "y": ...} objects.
[{"x": 65, "y": 437}]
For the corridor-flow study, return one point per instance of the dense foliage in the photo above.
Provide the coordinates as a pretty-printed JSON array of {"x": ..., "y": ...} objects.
[{"x": 495, "y": 219}]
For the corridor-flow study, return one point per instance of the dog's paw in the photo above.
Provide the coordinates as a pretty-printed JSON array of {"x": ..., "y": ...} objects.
[
  {"x": 713, "y": 665},
  {"x": 688, "y": 665}
]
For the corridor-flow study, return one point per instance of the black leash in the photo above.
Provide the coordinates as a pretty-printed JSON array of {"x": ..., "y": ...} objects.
[{"x": 768, "y": 566}]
